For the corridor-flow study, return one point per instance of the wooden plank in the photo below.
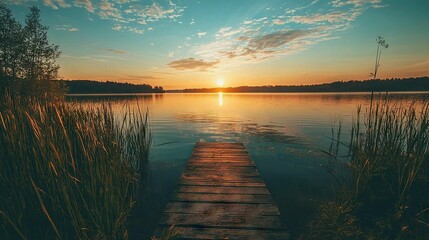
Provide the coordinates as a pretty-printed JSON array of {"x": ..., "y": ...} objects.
[
  {"x": 187, "y": 182},
  {"x": 220, "y": 195},
  {"x": 223, "y": 190},
  {"x": 223, "y": 208},
  {"x": 222, "y": 220},
  {"x": 215, "y": 164},
  {"x": 226, "y": 178},
  {"x": 236, "y": 234},
  {"x": 227, "y": 174}
]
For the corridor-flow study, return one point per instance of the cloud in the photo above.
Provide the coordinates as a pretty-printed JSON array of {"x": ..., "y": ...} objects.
[
  {"x": 49, "y": 3},
  {"x": 192, "y": 63},
  {"x": 276, "y": 39},
  {"x": 154, "y": 12},
  {"x": 332, "y": 17},
  {"x": 63, "y": 4},
  {"x": 68, "y": 28},
  {"x": 357, "y": 3},
  {"x": 201, "y": 34},
  {"x": 278, "y": 22},
  {"x": 87, "y": 4},
  {"x": 108, "y": 11},
  {"x": 117, "y": 27},
  {"x": 123, "y": 1},
  {"x": 113, "y": 50},
  {"x": 135, "y": 30}
]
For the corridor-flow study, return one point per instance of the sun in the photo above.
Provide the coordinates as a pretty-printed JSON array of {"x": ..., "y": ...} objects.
[{"x": 220, "y": 82}]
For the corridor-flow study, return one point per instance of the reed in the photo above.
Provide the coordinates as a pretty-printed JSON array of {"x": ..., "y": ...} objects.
[
  {"x": 385, "y": 189},
  {"x": 68, "y": 171}
]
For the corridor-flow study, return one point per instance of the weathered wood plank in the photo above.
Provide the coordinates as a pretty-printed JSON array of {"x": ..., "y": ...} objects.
[
  {"x": 220, "y": 195},
  {"x": 222, "y": 190},
  {"x": 222, "y": 171},
  {"x": 222, "y": 208},
  {"x": 236, "y": 234},
  {"x": 226, "y": 178},
  {"x": 188, "y": 182},
  {"x": 216, "y": 164},
  {"x": 222, "y": 220}
]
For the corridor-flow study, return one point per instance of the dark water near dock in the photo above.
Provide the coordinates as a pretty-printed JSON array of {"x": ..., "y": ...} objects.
[{"x": 284, "y": 134}]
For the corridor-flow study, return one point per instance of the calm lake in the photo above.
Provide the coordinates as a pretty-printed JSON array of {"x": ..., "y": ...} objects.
[{"x": 284, "y": 134}]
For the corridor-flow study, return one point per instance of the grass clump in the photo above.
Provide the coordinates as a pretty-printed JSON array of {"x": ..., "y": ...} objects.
[
  {"x": 67, "y": 171},
  {"x": 384, "y": 190}
]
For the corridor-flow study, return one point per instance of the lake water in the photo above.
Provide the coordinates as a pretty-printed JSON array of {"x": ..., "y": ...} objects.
[{"x": 284, "y": 134}]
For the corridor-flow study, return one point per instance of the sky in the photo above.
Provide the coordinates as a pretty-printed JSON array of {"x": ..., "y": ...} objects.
[{"x": 203, "y": 43}]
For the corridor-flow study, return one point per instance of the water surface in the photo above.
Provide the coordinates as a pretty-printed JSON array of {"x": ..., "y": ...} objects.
[{"x": 284, "y": 134}]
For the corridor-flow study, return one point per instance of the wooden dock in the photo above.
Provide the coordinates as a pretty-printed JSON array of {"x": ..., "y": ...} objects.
[{"x": 221, "y": 195}]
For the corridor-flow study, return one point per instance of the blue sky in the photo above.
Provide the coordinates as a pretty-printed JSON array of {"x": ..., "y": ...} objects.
[{"x": 186, "y": 44}]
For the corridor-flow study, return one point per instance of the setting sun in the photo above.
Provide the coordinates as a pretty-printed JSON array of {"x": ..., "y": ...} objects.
[{"x": 220, "y": 82}]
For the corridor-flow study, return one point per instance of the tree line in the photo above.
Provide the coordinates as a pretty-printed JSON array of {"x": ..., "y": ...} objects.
[
  {"x": 94, "y": 87},
  {"x": 377, "y": 85}
]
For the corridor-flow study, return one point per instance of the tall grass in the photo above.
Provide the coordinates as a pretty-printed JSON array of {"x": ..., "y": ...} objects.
[
  {"x": 67, "y": 171},
  {"x": 385, "y": 193}
]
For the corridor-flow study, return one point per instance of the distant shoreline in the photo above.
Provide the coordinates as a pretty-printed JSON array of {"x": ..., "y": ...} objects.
[
  {"x": 91, "y": 87},
  {"x": 385, "y": 85}
]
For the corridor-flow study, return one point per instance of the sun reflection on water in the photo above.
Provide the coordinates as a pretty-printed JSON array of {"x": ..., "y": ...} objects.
[{"x": 220, "y": 98}]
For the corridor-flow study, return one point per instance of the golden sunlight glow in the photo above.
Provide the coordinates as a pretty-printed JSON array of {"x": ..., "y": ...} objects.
[
  {"x": 220, "y": 82},
  {"x": 220, "y": 98}
]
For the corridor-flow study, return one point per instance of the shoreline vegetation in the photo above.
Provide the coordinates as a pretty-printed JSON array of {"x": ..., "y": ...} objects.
[
  {"x": 383, "y": 180},
  {"x": 377, "y": 85},
  {"x": 67, "y": 170}
]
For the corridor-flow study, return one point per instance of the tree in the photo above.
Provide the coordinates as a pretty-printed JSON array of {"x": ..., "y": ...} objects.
[
  {"x": 40, "y": 56},
  {"x": 381, "y": 43},
  {"x": 11, "y": 45}
]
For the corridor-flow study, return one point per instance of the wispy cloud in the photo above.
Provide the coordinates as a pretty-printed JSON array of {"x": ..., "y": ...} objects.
[
  {"x": 357, "y": 3},
  {"x": 152, "y": 13},
  {"x": 113, "y": 50},
  {"x": 276, "y": 39},
  {"x": 109, "y": 11},
  {"x": 87, "y": 4},
  {"x": 117, "y": 27},
  {"x": 332, "y": 17},
  {"x": 68, "y": 28},
  {"x": 63, "y": 4},
  {"x": 192, "y": 63},
  {"x": 49, "y": 3},
  {"x": 201, "y": 34}
]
